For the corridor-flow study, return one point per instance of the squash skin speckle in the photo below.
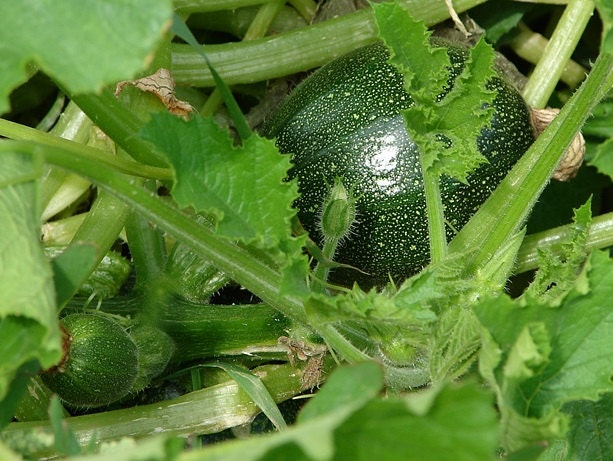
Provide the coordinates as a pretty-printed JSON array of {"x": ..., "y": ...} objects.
[
  {"x": 344, "y": 121},
  {"x": 101, "y": 362}
]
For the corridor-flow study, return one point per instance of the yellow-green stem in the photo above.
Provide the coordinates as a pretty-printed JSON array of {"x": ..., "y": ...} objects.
[{"x": 563, "y": 42}]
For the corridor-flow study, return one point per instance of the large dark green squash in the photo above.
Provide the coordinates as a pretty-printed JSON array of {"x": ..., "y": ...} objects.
[{"x": 344, "y": 121}]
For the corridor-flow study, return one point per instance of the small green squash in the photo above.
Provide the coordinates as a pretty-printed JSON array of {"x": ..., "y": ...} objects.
[
  {"x": 100, "y": 364},
  {"x": 344, "y": 122}
]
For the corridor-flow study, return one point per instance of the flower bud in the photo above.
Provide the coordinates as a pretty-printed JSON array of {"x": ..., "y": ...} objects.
[{"x": 338, "y": 213}]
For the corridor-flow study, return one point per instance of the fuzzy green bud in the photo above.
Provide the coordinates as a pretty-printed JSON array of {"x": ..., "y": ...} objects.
[{"x": 338, "y": 213}]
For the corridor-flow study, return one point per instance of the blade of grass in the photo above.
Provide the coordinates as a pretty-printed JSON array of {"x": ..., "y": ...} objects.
[
  {"x": 254, "y": 387},
  {"x": 240, "y": 123},
  {"x": 258, "y": 28}
]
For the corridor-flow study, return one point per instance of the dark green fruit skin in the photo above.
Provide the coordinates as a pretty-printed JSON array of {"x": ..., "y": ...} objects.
[
  {"x": 101, "y": 365},
  {"x": 344, "y": 121}
]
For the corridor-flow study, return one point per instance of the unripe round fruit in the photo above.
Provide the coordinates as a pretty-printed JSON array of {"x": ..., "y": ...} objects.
[
  {"x": 345, "y": 121},
  {"x": 100, "y": 362}
]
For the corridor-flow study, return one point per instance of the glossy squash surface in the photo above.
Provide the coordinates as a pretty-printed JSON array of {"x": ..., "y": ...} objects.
[{"x": 344, "y": 121}]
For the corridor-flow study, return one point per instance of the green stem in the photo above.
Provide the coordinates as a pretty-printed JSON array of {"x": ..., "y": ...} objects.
[
  {"x": 61, "y": 231},
  {"x": 296, "y": 51},
  {"x": 119, "y": 123},
  {"x": 16, "y": 131},
  {"x": 147, "y": 248},
  {"x": 200, "y": 331},
  {"x": 236, "y": 22},
  {"x": 71, "y": 188},
  {"x": 206, "y": 411},
  {"x": 213, "y": 102},
  {"x": 103, "y": 223},
  {"x": 262, "y": 20},
  {"x": 236, "y": 262},
  {"x": 258, "y": 28},
  {"x": 107, "y": 216},
  {"x": 600, "y": 235},
  {"x": 306, "y": 8},
  {"x": 436, "y": 218},
  {"x": 530, "y": 46},
  {"x": 322, "y": 270},
  {"x": 34, "y": 404},
  {"x": 563, "y": 42},
  {"x": 74, "y": 126},
  {"x": 53, "y": 114},
  {"x": 507, "y": 209},
  {"x": 202, "y": 6},
  {"x": 342, "y": 345},
  {"x": 408, "y": 376}
]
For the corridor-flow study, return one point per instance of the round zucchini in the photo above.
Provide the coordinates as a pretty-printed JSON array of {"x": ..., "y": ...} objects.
[
  {"x": 344, "y": 121},
  {"x": 100, "y": 364}
]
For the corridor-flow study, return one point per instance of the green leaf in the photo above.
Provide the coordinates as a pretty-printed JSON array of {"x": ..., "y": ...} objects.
[
  {"x": 242, "y": 187},
  {"x": 454, "y": 344},
  {"x": 65, "y": 40},
  {"x": 539, "y": 357},
  {"x": 347, "y": 389},
  {"x": 71, "y": 268},
  {"x": 603, "y": 158},
  {"x": 28, "y": 320},
  {"x": 448, "y": 124},
  {"x": 254, "y": 388},
  {"x": 605, "y": 8},
  {"x": 180, "y": 29},
  {"x": 599, "y": 124},
  {"x": 445, "y": 129},
  {"x": 18, "y": 388},
  {"x": 65, "y": 441},
  {"x": 590, "y": 436},
  {"x": 424, "y": 67},
  {"x": 458, "y": 424},
  {"x": 558, "y": 271},
  {"x": 371, "y": 310},
  {"x": 348, "y": 420},
  {"x": 498, "y": 21},
  {"x": 394, "y": 327}
]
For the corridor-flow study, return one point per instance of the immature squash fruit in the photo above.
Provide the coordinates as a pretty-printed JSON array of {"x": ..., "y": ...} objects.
[
  {"x": 100, "y": 362},
  {"x": 344, "y": 122}
]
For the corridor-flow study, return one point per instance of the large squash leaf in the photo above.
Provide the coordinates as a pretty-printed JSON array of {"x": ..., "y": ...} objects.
[
  {"x": 83, "y": 44},
  {"x": 28, "y": 319}
]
